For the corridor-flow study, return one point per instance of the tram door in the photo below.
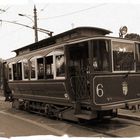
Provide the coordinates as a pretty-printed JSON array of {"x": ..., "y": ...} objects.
[{"x": 79, "y": 69}]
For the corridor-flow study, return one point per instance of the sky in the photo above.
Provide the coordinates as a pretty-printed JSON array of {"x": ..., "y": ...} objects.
[{"x": 59, "y": 16}]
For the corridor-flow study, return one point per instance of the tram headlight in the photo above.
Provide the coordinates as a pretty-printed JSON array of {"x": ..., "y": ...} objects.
[{"x": 66, "y": 96}]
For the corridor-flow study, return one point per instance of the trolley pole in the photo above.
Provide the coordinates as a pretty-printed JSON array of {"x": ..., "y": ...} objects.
[{"x": 35, "y": 24}]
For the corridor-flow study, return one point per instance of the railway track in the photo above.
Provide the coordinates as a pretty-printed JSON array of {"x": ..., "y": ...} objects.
[
  {"x": 112, "y": 128},
  {"x": 101, "y": 132}
]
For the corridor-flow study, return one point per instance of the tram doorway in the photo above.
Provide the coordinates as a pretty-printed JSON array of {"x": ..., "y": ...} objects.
[{"x": 79, "y": 70}]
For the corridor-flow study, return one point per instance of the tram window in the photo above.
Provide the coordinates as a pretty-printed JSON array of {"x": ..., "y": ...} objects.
[
  {"x": 60, "y": 65},
  {"x": 40, "y": 68},
  {"x": 33, "y": 68},
  {"x": 101, "y": 55},
  {"x": 25, "y": 69},
  {"x": 14, "y": 72},
  {"x": 79, "y": 59},
  {"x": 123, "y": 56},
  {"x": 138, "y": 57},
  {"x": 49, "y": 67},
  {"x": 10, "y": 72},
  {"x": 17, "y": 71}
]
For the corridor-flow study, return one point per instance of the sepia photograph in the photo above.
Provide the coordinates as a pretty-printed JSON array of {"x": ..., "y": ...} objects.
[{"x": 69, "y": 69}]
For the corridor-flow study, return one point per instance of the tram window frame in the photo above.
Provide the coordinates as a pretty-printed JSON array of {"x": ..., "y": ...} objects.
[
  {"x": 101, "y": 55},
  {"x": 10, "y": 71},
  {"x": 79, "y": 56},
  {"x": 131, "y": 45},
  {"x": 25, "y": 61},
  {"x": 49, "y": 66},
  {"x": 31, "y": 61},
  {"x": 60, "y": 66},
  {"x": 20, "y": 70},
  {"x": 17, "y": 71},
  {"x": 40, "y": 73},
  {"x": 59, "y": 70}
]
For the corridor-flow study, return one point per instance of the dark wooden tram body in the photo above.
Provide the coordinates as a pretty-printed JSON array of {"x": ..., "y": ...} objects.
[{"x": 76, "y": 75}]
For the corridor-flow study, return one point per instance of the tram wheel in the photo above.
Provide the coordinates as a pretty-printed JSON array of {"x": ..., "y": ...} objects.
[{"x": 27, "y": 106}]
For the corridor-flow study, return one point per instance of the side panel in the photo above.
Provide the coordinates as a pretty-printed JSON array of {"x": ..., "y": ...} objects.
[
  {"x": 116, "y": 89},
  {"x": 38, "y": 90}
]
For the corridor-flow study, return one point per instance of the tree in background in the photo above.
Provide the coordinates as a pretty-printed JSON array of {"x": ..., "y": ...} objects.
[{"x": 133, "y": 36}]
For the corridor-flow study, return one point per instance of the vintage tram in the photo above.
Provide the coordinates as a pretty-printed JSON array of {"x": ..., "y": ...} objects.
[{"x": 78, "y": 74}]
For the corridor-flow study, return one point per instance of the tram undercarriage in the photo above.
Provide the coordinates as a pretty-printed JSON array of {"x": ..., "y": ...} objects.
[{"x": 76, "y": 112}]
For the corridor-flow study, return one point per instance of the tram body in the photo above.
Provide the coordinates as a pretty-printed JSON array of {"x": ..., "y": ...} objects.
[{"x": 78, "y": 74}]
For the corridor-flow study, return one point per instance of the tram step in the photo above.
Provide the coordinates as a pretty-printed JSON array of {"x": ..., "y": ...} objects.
[{"x": 86, "y": 116}]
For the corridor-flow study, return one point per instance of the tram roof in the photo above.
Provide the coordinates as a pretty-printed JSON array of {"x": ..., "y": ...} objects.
[{"x": 64, "y": 36}]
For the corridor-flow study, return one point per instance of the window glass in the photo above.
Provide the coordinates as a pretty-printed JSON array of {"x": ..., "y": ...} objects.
[
  {"x": 78, "y": 58},
  {"x": 123, "y": 56},
  {"x": 100, "y": 55},
  {"x": 33, "y": 69},
  {"x": 10, "y": 71},
  {"x": 17, "y": 71},
  {"x": 40, "y": 68},
  {"x": 60, "y": 65},
  {"x": 14, "y": 72},
  {"x": 26, "y": 69},
  {"x": 49, "y": 67}
]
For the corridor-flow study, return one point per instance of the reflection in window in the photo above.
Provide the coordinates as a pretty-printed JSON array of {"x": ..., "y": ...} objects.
[
  {"x": 40, "y": 68},
  {"x": 49, "y": 67},
  {"x": 33, "y": 70},
  {"x": 123, "y": 56},
  {"x": 100, "y": 55},
  {"x": 60, "y": 65},
  {"x": 10, "y": 72},
  {"x": 26, "y": 69}
]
